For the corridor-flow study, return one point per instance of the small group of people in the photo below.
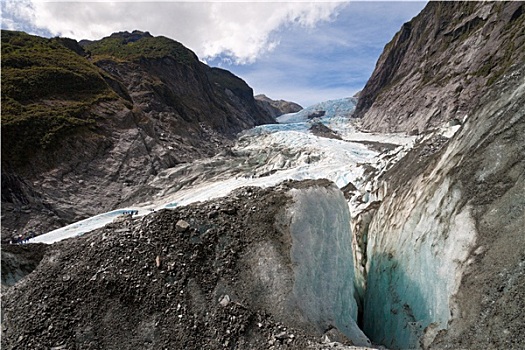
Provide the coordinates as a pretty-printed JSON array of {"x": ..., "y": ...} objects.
[
  {"x": 22, "y": 238},
  {"x": 130, "y": 212}
]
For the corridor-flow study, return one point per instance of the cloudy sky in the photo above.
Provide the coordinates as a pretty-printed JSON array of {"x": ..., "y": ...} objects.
[{"x": 305, "y": 52}]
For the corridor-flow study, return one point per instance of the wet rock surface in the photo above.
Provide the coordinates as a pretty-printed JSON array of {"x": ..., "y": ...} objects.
[{"x": 173, "y": 279}]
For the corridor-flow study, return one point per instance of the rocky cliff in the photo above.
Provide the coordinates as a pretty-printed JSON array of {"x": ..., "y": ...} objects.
[
  {"x": 85, "y": 126},
  {"x": 439, "y": 65},
  {"x": 444, "y": 229},
  {"x": 276, "y": 108}
]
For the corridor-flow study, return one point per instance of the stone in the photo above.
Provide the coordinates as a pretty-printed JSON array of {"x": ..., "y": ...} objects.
[
  {"x": 182, "y": 226},
  {"x": 224, "y": 300},
  {"x": 282, "y": 336}
]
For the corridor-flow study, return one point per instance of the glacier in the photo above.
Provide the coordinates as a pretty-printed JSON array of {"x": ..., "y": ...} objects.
[
  {"x": 329, "y": 109},
  {"x": 344, "y": 260},
  {"x": 445, "y": 248},
  {"x": 263, "y": 156},
  {"x": 410, "y": 289},
  {"x": 322, "y": 257}
]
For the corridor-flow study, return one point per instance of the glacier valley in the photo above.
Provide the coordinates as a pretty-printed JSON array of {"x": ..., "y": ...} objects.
[
  {"x": 320, "y": 228},
  {"x": 265, "y": 156}
]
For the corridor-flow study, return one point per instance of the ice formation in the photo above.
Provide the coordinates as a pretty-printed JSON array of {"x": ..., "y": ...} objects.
[
  {"x": 410, "y": 289},
  {"x": 398, "y": 292},
  {"x": 332, "y": 109},
  {"x": 323, "y": 262}
]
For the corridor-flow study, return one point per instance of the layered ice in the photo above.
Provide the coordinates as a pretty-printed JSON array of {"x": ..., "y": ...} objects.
[{"x": 418, "y": 246}]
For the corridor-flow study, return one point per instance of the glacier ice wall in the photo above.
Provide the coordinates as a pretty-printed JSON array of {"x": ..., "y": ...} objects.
[
  {"x": 321, "y": 255},
  {"x": 416, "y": 256},
  {"x": 445, "y": 248}
]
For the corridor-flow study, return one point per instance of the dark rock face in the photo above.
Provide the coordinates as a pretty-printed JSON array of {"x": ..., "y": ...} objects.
[
  {"x": 316, "y": 114},
  {"x": 276, "y": 108},
  {"x": 439, "y": 65},
  {"x": 322, "y": 130},
  {"x": 151, "y": 109},
  {"x": 19, "y": 261}
]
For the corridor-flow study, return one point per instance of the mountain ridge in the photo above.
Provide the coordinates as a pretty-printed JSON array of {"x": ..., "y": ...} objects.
[
  {"x": 482, "y": 39},
  {"x": 276, "y": 108},
  {"x": 104, "y": 116}
]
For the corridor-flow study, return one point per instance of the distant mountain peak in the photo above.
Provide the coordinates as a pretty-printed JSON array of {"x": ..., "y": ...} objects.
[{"x": 276, "y": 107}]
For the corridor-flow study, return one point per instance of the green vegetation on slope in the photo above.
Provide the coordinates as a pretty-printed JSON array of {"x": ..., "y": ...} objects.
[
  {"x": 120, "y": 46},
  {"x": 47, "y": 91}
]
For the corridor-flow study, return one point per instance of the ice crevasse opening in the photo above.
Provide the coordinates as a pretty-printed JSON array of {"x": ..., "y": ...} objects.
[{"x": 417, "y": 251}]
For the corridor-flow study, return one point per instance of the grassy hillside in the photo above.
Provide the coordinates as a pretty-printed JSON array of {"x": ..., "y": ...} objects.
[
  {"x": 137, "y": 45},
  {"x": 47, "y": 92}
]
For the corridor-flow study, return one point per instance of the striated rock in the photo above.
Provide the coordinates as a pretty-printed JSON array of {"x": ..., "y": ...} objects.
[{"x": 439, "y": 65}]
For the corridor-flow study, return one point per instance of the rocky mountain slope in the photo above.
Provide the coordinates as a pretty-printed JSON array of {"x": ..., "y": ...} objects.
[
  {"x": 276, "y": 108},
  {"x": 85, "y": 126},
  {"x": 439, "y": 65},
  {"x": 443, "y": 232}
]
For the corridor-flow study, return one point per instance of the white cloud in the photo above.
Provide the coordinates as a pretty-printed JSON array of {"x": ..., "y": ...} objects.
[{"x": 241, "y": 30}]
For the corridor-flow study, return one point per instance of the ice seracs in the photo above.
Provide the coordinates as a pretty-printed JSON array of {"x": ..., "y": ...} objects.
[{"x": 328, "y": 109}]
